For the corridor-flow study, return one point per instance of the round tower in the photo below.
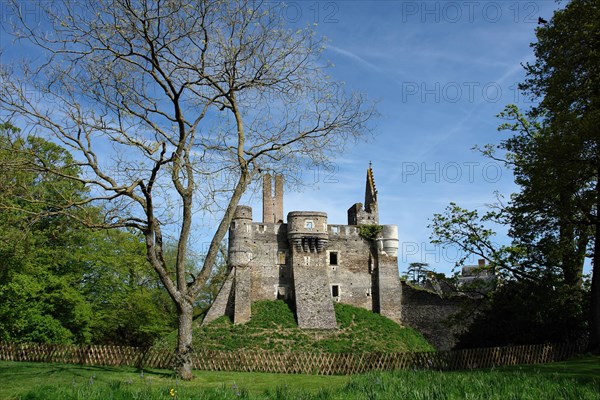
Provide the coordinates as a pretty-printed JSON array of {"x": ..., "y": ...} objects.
[
  {"x": 389, "y": 240},
  {"x": 240, "y": 236},
  {"x": 307, "y": 230}
]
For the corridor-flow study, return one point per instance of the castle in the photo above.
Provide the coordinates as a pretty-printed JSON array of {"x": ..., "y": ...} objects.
[{"x": 309, "y": 263}]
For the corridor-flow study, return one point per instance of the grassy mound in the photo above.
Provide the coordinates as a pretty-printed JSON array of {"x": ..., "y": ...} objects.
[{"x": 273, "y": 327}]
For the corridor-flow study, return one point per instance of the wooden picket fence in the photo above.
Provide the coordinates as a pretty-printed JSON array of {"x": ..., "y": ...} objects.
[{"x": 291, "y": 362}]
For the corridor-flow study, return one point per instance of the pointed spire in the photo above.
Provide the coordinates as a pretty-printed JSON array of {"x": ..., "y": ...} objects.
[{"x": 370, "y": 191}]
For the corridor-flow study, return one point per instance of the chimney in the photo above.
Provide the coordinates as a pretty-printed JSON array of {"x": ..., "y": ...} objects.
[
  {"x": 278, "y": 200},
  {"x": 267, "y": 199},
  {"x": 272, "y": 204}
]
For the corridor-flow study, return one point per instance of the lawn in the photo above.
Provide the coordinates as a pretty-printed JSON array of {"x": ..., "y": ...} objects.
[
  {"x": 17, "y": 379},
  {"x": 575, "y": 379}
]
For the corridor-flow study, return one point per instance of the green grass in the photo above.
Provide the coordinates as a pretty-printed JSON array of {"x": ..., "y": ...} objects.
[
  {"x": 580, "y": 369},
  {"x": 273, "y": 327},
  {"x": 575, "y": 379},
  {"x": 59, "y": 381}
]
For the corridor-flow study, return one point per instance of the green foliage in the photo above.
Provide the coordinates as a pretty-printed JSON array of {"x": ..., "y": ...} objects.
[
  {"x": 394, "y": 385},
  {"x": 31, "y": 379},
  {"x": 40, "y": 273},
  {"x": 370, "y": 232},
  {"x": 530, "y": 312},
  {"x": 473, "y": 234},
  {"x": 59, "y": 281},
  {"x": 417, "y": 273},
  {"x": 273, "y": 327},
  {"x": 556, "y": 150},
  {"x": 462, "y": 385},
  {"x": 545, "y": 215},
  {"x": 130, "y": 306}
]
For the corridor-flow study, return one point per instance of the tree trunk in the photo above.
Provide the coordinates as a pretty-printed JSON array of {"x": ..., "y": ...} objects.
[
  {"x": 594, "y": 321},
  {"x": 184, "y": 352},
  {"x": 572, "y": 264}
]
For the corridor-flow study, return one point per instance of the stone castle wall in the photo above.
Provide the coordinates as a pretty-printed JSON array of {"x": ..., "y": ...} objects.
[{"x": 353, "y": 271}]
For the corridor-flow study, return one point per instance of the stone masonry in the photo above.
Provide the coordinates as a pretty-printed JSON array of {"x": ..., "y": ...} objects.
[{"x": 309, "y": 263}]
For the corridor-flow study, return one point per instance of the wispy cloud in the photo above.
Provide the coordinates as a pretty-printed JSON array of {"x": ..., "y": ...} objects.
[{"x": 355, "y": 57}]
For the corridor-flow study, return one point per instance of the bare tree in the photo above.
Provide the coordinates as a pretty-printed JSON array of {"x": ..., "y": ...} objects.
[{"x": 173, "y": 108}]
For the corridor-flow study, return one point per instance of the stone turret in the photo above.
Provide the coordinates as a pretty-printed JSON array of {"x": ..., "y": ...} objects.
[
  {"x": 233, "y": 299},
  {"x": 369, "y": 214},
  {"x": 388, "y": 243},
  {"x": 307, "y": 231},
  {"x": 240, "y": 262},
  {"x": 308, "y": 239},
  {"x": 388, "y": 284},
  {"x": 240, "y": 237},
  {"x": 371, "y": 196}
]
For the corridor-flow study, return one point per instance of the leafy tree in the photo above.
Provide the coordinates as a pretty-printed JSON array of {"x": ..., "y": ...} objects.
[
  {"x": 417, "y": 273},
  {"x": 566, "y": 79},
  {"x": 39, "y": 272},
  {"x": 130, "y": 305},
  {"x": 523, "y": 312},
  {"x": 545, "y": 216},
  {"x": 540, "y": 298},
  {"x": 61, "y": 282},
  {"x": 555, "y": 154},
  {"x": 474, "y": 234},
  {"x": 173, "y": 108}
]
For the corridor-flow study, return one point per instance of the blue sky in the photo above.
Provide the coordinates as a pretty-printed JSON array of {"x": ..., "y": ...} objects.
[{"x": 440, "y": 72}]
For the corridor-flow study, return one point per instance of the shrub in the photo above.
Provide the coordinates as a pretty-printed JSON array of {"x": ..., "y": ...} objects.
[{"x": 369, "y": 232}]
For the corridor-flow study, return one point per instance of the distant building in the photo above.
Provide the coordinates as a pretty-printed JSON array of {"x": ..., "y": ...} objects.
[{"x": 480, "y": 276}]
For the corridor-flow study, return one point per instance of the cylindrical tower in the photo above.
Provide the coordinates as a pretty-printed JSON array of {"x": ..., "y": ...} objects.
[
  {"x": 389, "y": 241},
  {"x": 240, "y": 236},
  {"x": 307, "y": 230},
  {"x": 308, "y": 237}
]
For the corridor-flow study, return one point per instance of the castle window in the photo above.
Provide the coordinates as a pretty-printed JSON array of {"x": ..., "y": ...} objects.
[
  {"x": 281, "y": 257},
  {"x": 232, "y": 225},
  {"x": 333, "y": 258},
  {"x": 335, "y": 230},
  {"x": 308, "y": 224},
  {"x": 262, "y": 228},
  {"x": 368, "y": 293},
  {"x": 335, "y": 291},
  {"x": 281, "y": 293},
  {"x": 306, "y": 260}
]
